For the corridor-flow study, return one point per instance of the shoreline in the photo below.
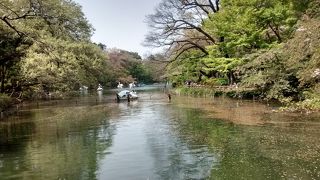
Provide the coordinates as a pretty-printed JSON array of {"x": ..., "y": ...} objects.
[{"x": 307, "y": 106}]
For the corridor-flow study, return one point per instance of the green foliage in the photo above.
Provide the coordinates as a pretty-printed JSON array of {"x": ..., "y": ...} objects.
[
  {"x": 128, "y": 67},
  {"x": 63, "y": 65},
  {"x": 155, "y": 66},
  {"x": 5, "y": 102},
  {"x": 139, "y": 71},
  {"x": 60, "y": 18},
  {"x": 313, "y": 8},
  {"x": 249, "y": 25},
  {"x": 221, "y": 65},
  {"x": 266, "y": 71},
  {"x": 200, "y": 92},
  {"x": 309, "y": 104},
  {"x": 271, "y": 46},
  {"x": 216, "y": 81},
  {"x": 186, "y": 67},
  {"x": 286, "y": 70},
  {"x": 43, "y": 44},
  {"x": 302, "y": 52}
]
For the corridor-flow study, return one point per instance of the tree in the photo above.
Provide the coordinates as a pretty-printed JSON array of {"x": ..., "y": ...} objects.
[
  {"x": 102, "y": 46},
  {"x": 40, "y": 30},
  {"x": 156, "y": 65},
  {"x": 68, "y": 65},
  {"x": 62, "y": 18},
  {"x": 176, "y": 24},
  {"x": 247, "y": 26},
  {"x": 128, "y": 67},
  {"x": 12, "y": 48}
]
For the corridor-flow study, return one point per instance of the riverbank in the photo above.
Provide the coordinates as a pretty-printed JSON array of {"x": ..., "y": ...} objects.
[
  {"x": 307, "y": 105},
  {"x": 229, "y": 91},
  {"x": 8, "y": 103}
]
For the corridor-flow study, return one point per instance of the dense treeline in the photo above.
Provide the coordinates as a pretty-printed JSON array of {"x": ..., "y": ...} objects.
[
  {"x": 45, "y": 47},
  {"x": 269, "y": 45}
]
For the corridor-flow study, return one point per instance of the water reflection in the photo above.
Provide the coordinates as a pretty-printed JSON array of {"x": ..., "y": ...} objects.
[
  {"x": 173, "y": 157},
  {"x": 284, "y": 147},
  {"x": 187, "y": 138},
  {"x": 63, "y": 145},
  {"x": 100, "y": 96}
]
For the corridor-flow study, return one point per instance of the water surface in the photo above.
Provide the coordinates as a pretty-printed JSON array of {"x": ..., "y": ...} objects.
[{"x": 93, "y": 137}]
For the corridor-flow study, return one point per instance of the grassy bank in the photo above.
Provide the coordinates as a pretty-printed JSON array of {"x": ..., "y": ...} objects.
[
  {"x": 311, "y": 104},
  {"x": 231, "y": 92},
  {"x": 308, "y": 105}
]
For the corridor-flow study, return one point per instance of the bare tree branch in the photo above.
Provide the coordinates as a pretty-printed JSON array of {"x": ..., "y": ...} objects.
[{"x": 176, "y": 23}]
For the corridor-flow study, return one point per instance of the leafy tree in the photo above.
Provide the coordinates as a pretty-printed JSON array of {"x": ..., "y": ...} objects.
[
  {"x": 46, "y": 36},
  {"x": 63, "y": 65},
  {"x": 62, "y": 18},
  {"x": 266, "y": 71},
  {"x": 222, "y": 66},
  {"x": 186, "y": 67},
  {"x": 128, "y": 67},
  {"x": 12, "y": 48},
  {"x": 156, "y": 66},
  {"x": 249, "y": 25},
  {"x": 302, "y": 54},
  {"x": 139, "y": 71}
]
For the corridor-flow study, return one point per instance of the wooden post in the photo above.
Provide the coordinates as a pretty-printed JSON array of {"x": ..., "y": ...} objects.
[
  {"x": 128, "y": 97},
  {"x": 118, "y": 98}
]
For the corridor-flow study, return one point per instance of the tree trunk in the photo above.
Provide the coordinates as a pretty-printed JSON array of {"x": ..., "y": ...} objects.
[
  {"x": 275, "y": 31},
  {"x": 230, "y": 78},
  {"x": 3, "y": 75}
]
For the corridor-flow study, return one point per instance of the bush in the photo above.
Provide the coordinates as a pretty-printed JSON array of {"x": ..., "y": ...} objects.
[
  {"x": 309, "y": 104},
  {"x": 216, "y": 81},
  {"x": 5, "y": 102},
  {"x": 199, "y": 92}
]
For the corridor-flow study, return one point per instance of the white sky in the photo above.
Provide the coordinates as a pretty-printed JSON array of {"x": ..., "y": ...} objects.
[{"x": 119, "y": 23}]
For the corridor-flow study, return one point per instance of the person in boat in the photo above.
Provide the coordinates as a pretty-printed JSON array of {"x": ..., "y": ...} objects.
[
  {"x": 120, "y": 85},
  {"x": 132, "y": 85},
  {"x": 99, "y": 87}
]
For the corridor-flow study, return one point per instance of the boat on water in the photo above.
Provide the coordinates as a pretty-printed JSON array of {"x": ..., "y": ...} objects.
[
  {"x": 99, "y": 88},
  {"x": 126, "y": 95}
]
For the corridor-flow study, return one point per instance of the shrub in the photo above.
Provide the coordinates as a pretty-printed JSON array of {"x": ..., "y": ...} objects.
[
  {"x": 216, "y": 81},
  {"x": 5, "y": 101}
]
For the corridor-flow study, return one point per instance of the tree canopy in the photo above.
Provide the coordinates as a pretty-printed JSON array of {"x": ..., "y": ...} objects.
[
  {"x": 269, "y": 45},
  {"x": 45, "y": 47}
]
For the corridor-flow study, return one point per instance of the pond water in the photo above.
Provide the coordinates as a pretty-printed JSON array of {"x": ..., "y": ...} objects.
[{"x": 93, "y": 137}]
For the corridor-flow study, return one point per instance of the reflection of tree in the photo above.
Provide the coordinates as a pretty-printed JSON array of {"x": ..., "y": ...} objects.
[
  {"x": 11, "y": 131},
  {"x": 285, "y": 150},
  {"x": 11, "y": 144},
  {"x": 175, "y": 158},
  {"x": 67, "y": 145}
]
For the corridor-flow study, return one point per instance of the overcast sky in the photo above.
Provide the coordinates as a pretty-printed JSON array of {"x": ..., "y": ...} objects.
[{"x": 119, "y": 23}]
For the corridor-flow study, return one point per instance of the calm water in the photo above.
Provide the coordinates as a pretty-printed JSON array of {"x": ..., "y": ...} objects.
[{"x": 187, "y": 138}]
